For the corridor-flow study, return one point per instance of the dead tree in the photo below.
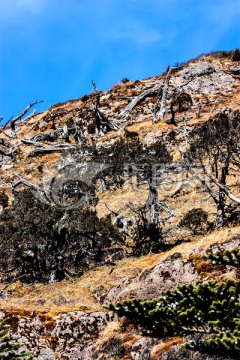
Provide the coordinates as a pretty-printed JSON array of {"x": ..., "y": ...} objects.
[
  {"x": 124, "y": 114},
  {"x": 103, "y": 124},
  {"x": 213, "y": 155},
  {"x": 156, "y": 207},
  {"x": 45, "y": 137},
  {"x": 49, "y": 150},
  {"x": 163, "y": 106},
  {"x": 13, "y": 121}
]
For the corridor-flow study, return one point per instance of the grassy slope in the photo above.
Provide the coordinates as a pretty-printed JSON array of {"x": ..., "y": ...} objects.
[{"x": 76, "y": 294}]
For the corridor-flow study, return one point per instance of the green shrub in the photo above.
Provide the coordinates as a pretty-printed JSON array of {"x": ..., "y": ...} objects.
[
  {"x": 228, "y": 257},
  {"x": 195, "y": 220},
  {"x": 211, "y": 309}
]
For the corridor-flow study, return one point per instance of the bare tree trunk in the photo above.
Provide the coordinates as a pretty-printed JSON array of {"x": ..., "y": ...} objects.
[
  {"x": 163, "y": 107},
  {"x": 221, "y": 202},
  {"x": 59, "y": 148},
  {"x": 124, "y": 114},
  {"x": 152, "y": 204}
]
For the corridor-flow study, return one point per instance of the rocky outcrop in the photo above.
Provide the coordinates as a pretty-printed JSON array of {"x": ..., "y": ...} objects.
[
  {"x": 168, "y": 274},
  {"x": 211, "y": 85},
  {"x": 206, "y": 79}
]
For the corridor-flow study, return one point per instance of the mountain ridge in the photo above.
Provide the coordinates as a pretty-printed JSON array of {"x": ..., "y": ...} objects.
[{"x": 66, "y": 318}]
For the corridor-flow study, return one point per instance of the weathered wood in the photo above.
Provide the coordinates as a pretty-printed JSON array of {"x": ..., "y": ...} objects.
[
  {"x": 163, "y": 107},
  {"x": 103, "y": 124},
  {"x": 124, "y": 114},
  {"x": 32, "y": 142},
  {"x": 22, "y": 181},
  {"x": 45, "y": 137},
  {"x": 59, "y": 148}
]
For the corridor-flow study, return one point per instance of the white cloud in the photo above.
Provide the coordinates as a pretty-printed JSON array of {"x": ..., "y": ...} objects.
[
  {"x": 135, "y": 32},
  {"x": 14, "y": 9}
]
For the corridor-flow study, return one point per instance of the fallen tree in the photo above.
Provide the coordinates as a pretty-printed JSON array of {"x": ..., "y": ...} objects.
[{"x": 124, "y": 114}]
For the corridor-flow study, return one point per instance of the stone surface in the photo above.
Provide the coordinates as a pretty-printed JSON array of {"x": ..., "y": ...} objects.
[
  {"x": 168, "y": 274},
  {"x": 204, "y": 78}
]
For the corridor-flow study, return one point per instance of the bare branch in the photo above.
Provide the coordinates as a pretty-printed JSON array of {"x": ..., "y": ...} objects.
[
  {"x": 22, "y": 181},
  {"x": 149, "y": 92},
  {"x": 18, "y": 117},
  {"x": 163, "y": 106},
  {"x": 58, "y": 148},
  {"x": 226, "y": 191}
]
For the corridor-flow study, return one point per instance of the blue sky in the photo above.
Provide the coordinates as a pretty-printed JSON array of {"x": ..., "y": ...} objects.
[{"x": 51, "y": 49}]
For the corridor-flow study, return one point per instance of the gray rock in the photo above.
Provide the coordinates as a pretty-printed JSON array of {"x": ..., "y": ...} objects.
[
  {"x": 46, "y": 354},
  {"x": 168, "y": 274},
  {"x": 235, "y": 69},
  {"x": 175, "y": 352},
  {"x": 202, "y": 68},
  {"x": 141, "y": 349}
]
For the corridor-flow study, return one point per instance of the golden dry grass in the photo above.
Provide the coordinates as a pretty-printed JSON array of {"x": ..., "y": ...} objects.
[
  {"x": 78, "y": 294},
  {"x": 159, "y": 349}
]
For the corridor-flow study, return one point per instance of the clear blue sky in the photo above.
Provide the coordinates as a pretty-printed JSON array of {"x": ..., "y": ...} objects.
[{"x": 52, "y": 49}]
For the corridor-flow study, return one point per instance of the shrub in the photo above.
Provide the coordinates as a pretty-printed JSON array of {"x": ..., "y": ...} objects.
[
  {"x": 207, "y": 309},
  {"x": 228, "y": 257},
  {"x": 195, "y": 220},
  {"x": 3, "y": 199},
  {"x": 43, "y": 243},
  {"x": 125, "y": 80},
  {"x": 236, "y": 55},
  {"x": 189, "y": 309},
  {"x": 147, "y": 236}
]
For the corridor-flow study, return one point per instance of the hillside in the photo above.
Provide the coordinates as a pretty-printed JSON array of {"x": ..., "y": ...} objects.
[{"x": 143, "y": 154}]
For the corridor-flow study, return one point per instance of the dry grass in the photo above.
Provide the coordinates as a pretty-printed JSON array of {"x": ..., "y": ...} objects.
[
  {"x": 77, "y": 294},
  {"x": 159, "y": 349}
]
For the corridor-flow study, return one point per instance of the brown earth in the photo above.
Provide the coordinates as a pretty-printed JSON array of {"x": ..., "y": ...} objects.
[{"x": 66, "y": 320}]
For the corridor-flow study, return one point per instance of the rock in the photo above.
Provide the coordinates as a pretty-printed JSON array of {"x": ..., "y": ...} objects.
[
  {"x": 175, "y": 352},
  {"x": 46, "y": 354},
  {"x": 42, "y": 124},
  {"x": 2, "y": 315},
  {"x": 152, "y": 137},
  {"x": 79, "y": 325},
  {"x": 204, "y": 78},
  {"x": 141, "y": 349},
  {"x": 202, "y": 68},
  {"x": 235, "y": 69},
  {"x": 7, "y": 167},
  {"x": 168, "y": 274}
]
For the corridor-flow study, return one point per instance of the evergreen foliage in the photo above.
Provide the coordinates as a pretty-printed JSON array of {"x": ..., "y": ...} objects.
[
  {"x": 224, "y": 343},
  {"x": 211, "y": 309},
  {"x": 9, "y": 350},
  {"x": 228, "y": 257}
]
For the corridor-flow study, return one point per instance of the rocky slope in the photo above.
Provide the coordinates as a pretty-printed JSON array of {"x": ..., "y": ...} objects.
[{"x": 66, "y": 320}]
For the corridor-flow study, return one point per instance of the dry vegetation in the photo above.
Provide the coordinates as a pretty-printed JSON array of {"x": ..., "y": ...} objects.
[{"x": 87, "y": 292}]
